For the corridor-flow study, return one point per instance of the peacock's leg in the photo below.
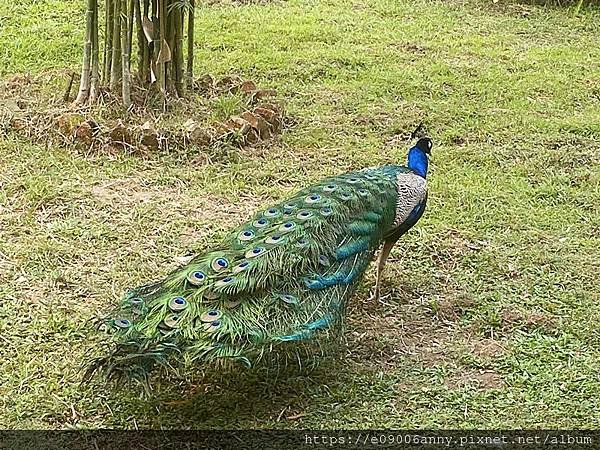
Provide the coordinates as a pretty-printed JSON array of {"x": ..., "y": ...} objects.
[{"x": 383, "y": 255}]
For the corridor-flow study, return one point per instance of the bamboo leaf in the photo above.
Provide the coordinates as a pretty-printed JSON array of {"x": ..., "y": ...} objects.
[
  {"x": 152, "y": 72},
  {"x": 164, "y": 54},
  {"x": 148, "y": 27}
]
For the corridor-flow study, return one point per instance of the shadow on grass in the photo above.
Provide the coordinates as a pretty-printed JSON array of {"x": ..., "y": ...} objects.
[
  {"x": 577, "y": 4},
  {"x": 265, "y": 396}
]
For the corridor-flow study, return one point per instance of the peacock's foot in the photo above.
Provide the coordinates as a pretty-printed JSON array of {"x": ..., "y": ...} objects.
[{"x": 375, "y": 294}]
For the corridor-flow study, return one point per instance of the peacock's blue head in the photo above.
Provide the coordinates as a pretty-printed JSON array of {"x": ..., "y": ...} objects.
[
  {"x": 425, "y": 145},
  {"x": 417, "y": 156}
]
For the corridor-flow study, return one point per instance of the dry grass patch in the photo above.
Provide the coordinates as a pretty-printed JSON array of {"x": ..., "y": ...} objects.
[{"x": 228, "y": 110}]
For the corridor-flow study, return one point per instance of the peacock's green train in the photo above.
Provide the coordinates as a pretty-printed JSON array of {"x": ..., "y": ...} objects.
[{"x": 284, "y": 276}]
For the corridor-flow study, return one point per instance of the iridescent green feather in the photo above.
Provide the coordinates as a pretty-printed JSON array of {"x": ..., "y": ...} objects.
[{"x": 285, "y": 275}]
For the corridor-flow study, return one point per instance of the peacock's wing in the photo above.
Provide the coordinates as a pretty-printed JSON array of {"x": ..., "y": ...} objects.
[{"x": 282, "y": 276}]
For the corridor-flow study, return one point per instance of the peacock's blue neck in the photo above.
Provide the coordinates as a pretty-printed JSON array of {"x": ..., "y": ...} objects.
[{"x": 417, "y": 161}]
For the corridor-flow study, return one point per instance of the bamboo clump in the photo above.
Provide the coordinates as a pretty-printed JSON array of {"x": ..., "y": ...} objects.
[{"x": 164, "y": 46}]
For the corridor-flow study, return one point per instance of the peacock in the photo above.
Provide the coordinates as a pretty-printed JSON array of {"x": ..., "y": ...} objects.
[{"x": 282, "y": 278}]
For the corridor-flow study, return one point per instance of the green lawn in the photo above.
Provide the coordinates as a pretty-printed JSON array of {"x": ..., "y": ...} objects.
[{"x": 493, "y": 314}]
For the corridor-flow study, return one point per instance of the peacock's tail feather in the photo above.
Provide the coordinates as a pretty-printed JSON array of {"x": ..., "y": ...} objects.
[{"x": 283, "y": 277}]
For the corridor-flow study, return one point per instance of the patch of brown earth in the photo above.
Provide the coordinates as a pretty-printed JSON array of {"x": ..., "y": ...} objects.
[
  {"x": 409, "y": 332},
  {"x": 517, "y": 318},
  {"x": 486, "y": 348},
  {"x": 483, "y": 379}
]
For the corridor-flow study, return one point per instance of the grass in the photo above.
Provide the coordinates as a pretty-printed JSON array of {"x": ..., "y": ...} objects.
[{"x": 492, "y": 317}]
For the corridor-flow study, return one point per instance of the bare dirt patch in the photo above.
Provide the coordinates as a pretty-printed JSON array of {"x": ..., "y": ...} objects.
[
  {"x": 487, "y": 348},
  {"x": 516, "y": 318},
  {"x": 410, "y": 332},
  {"x": 483, "y": 379}
]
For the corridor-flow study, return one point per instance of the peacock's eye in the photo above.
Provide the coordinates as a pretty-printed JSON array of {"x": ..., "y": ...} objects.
[
  {"x": 211, "y": 315},
  {"x": 246, "y": 235},
  {"x": 271, "y": 212},
  {"x": 290, "y": 299},
  {"x": 177, "y": 304},
  {"x": 302, "y": 242},
  {"x": 242, "y": 265},
  {"x": 256, "y": 251},
  {"x": 211, "y": 295},
  {"x": 304, "y": 214},
  {"x": 261, "y": 223},
  {"x": 212, "y": 326},
  {"x": 323, "y": 260},
  {"x": 122, "y": 323},
  {"x": 275, "y": 239},
  {"x": 219, "y": 264},
  {"x": 196, "y": 278},
  {"x": 313, "y": 198},
  {"x": 171, "y": 321}
]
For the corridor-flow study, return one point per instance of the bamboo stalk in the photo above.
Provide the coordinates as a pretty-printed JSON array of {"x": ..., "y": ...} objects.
[
  {"x": 125, "y": 54},
  {"x": 190, "y": 45},
  {"x": 178, "y": 56},
  {"x": 84, "y": 84},
  {"x": 170, "y": 67},
  {"x": 67, "y": 93},
  {"x": 148, "y": 45},
  {"x": 161, "y": 69},
  {"x": 142, "y": 44},
  {"x": 156, "y": 7},
  {"x": 108, "y": 42},
  {"x": 115, "y": 73},
  {"x": 95, "y": 56},
  {"x": 130, "y": 16}
]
